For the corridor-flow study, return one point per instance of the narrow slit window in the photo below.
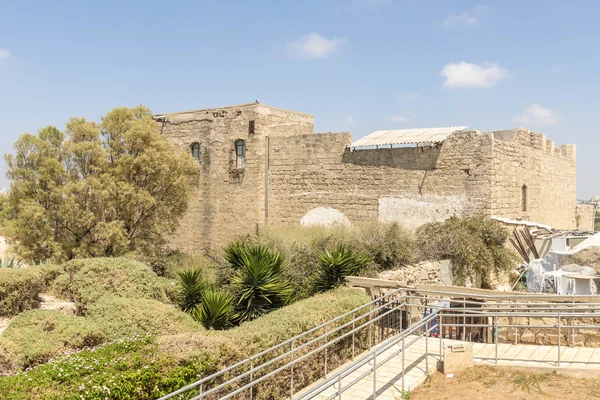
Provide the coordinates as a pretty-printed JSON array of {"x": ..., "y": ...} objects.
[
  {"x": 524, "y": 198},
  {"x": 251, "y": 127},
  {"x": 240, "y": 154},
  {"x": 195, "y": 148}
]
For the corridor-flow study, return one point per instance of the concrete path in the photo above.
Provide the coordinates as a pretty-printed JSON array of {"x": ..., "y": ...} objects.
[{"x": 389, "y": 376}]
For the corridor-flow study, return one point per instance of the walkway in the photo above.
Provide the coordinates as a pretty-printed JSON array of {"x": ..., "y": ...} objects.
[{"x": 389, "y": 376}]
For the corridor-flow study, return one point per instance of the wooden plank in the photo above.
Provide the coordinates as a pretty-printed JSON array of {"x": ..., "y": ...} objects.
[{"x": 472, "y": 293}]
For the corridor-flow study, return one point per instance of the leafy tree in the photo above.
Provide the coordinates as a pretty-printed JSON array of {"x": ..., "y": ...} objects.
[
  {"x": 258, "y": 283},
  {"x": 337, "y": 264},
  {"x": 476, "y": 245},
  {"x": 96, "y": 189}
]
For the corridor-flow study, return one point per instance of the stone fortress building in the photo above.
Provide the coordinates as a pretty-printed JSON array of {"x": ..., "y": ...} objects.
[{"x": 264, "y": 165}]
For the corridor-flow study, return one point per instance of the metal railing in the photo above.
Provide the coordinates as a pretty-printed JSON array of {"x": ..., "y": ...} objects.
[
  {"x": 414, "y": 333},
  {"x": 372, "y": 329},
  {"x": 371, "y": 323}
]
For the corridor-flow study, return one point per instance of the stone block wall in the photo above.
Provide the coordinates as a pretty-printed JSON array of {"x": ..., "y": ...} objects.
[
  {"x": 229, "y": 201},
  {"x": 523, "y": 158},
  {"x": 470, "y": 172},
  {"x": 423, "y": 273},
  {"x": 536, "y": 334},
  {"x": 584, "y": 216},
  {"x": 409, "y": 185}
]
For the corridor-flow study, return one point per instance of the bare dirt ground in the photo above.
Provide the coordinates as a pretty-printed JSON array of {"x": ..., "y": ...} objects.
[{"x": 488, "y": 383}]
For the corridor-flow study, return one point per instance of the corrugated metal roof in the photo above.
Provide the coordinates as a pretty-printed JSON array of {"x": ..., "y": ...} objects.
[{"x": 407, "y": 136}]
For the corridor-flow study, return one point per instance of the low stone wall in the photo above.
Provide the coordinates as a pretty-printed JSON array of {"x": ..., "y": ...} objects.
[
  {"x": 423, "y": 273},
  {"x": 533, "y": 333}
]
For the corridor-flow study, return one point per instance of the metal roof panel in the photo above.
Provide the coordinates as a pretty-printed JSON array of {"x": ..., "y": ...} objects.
[{"x": 407, "y": 136}]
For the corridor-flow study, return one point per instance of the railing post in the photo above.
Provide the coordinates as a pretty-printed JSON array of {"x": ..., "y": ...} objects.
[
  {"x": 339, "y": 386},
  {"x": 292, "y": 375},
  {"x": 441, "y": 332},
  {"x": 426, "y": 350},
  {"x": 559, "y": 338},
  {"x": 251, "y": 377},
  {"x": 201, "y": 386},
  {"x": 326, "y": 337},
  {"x": 496, "y": 338},
  {"x": 352, "y": 336},
  {"x": 375, "y": 375},
  {"x": 403, "y": 371},
  {"x": 370, "y": 325}
]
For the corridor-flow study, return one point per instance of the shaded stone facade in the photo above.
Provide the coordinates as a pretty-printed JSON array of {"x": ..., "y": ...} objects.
[{"x": 470, "y": 172}]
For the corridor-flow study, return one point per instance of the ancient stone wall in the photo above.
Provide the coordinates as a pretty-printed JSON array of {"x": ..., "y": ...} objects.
[
  {"x": 584, "y": 216},
  {"x": 470, "y": 172},
  {"x": 423, "y": 273},
  {"x": 230, "y": 200},
  {"x": 527, "y": 162},
  {"x": 409, "y": 185}
]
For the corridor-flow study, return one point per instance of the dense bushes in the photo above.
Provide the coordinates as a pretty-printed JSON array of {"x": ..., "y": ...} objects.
[
  {"x": 42, "y": 334},
  {"x": 86, "y": 280},
  {"x": 121, "y": 317},
  {"x": 475, "y": 245},
  {"x": 147, "y": 367},
  {"x": 20, "y": 287}
]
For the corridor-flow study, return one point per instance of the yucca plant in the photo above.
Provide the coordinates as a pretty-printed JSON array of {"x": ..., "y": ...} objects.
[
  {"x": 337, "y": 264},
  {"x": 258, "y": 283},
  {"x": 217, "y": 309},
  {"x": 8, "y": 262},
  {"x": 191, "y": 287}
]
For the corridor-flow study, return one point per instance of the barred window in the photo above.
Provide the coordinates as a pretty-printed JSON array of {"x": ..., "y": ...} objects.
[
  {"x": 195, "y": 148},
  {"x": 240, "y": 154},
  {"x": 524, "y": 198}
]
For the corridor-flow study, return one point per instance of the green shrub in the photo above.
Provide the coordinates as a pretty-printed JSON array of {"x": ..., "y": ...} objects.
[
  {"x": 335, "y": 265},
  {"x": 387, "y": 244},
  {"x": 191, "y": 286},
  {"x": 120, "y": 317},
  {"x": 146, "y": 368},
  {"x": 42, "y": 334},
  {"x": 168, "y": 264},
  {"x": 19, "y": 289},
  {"x": 258, "y": 284},
  {"x": 127, "y": 369},
  {"x": 216, "y": 311},
  {"x": 476, "y": 245},
  {"x": 86, "y": 280},
  {"x": 10, "y": 262}
]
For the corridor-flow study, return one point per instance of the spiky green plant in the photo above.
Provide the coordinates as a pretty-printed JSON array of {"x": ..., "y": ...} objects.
[
  {"x": 335, "y": 265},
  {"x": 217, "y": 310},
  {"x": 258, "y": 283},
  {"x": 9, "y": 262},
  {"x": 191, "y": 287}
]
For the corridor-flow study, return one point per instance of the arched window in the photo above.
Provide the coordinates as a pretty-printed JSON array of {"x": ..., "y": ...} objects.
[
  {"x": 195, "y": 148},
  {"x": 240, "y": 154},
  {"x": 524, "y": 198}
]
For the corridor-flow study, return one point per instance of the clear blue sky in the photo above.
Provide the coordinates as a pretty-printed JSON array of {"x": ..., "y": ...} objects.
[{"x": 357, "y": 65}]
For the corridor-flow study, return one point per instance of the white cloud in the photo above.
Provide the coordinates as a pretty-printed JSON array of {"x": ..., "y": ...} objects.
[
  {"x": 349, "y": 120},
  {"x": 399, "y": 119},
  {"x": 558, "y": 68},
  {"x": 406, "y": 96},
  {"x": 314, "y": 45},
  {"x": 4, "y": 53},
  {"x": 464, "y": 74},
  {"x": 470, "y": 18},
  {"x": 537, "y": 114}
]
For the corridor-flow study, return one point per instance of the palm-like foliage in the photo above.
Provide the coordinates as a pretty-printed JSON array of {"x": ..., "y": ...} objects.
[
  {"x": 191, "y": 287},
  {"x": 7, "y": 262},
  {"x": 216, "y": 310},
  {"x": 335, "y": 265},
  {"x": 258, "y": 283}
]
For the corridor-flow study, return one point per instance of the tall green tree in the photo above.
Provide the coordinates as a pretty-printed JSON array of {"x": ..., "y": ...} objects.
[{"x": 96, "y": 189}]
